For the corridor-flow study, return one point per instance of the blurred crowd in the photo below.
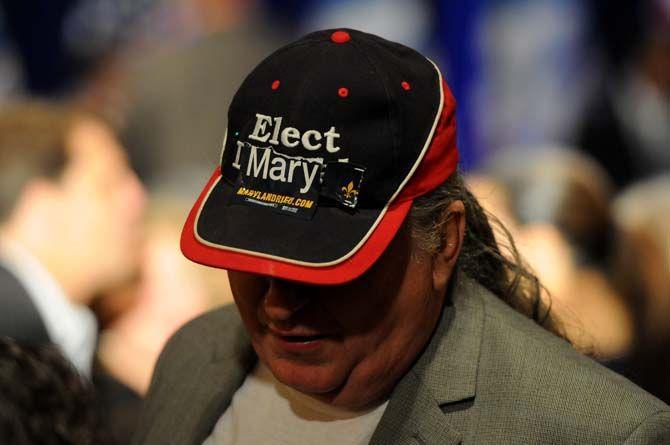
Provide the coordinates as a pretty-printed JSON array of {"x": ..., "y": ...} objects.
[{"x": 110, "y": 108}]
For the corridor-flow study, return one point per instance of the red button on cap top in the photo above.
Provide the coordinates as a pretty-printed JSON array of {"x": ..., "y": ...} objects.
[{"x": 340, "y": 37}]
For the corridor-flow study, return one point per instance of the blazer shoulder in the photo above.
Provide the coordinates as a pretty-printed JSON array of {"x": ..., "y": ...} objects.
[
  {"x": 525, "y": 364},
  {"x": 210, "y": 324},
  {"x": 212, "y": 334},
  {"x": 653, "y": 430}
]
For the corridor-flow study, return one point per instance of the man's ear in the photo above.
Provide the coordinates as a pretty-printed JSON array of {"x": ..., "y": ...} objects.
[{"x": 452, "y": 233}]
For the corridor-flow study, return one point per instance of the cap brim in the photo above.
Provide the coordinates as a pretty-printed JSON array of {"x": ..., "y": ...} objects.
[{"x": 334, "y": 247}]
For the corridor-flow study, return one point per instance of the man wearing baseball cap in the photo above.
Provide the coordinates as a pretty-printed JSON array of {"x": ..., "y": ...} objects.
[{"x": 373, "y": 304}]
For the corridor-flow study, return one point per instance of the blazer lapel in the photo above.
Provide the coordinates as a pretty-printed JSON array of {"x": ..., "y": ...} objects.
[
  {"x": 445, "y": 375},
  {"x": 214, "y": 385},
  {"x": 212, "y": 405},
  {"x": 414, "y": 417}
]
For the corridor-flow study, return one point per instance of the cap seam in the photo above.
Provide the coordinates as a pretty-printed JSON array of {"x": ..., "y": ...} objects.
[
  {"x": 302, "y": 94},
  {"x": 280, "y": 51},
  {"x": 388, "y": 99},
  {"x": 309, "y": 76}
]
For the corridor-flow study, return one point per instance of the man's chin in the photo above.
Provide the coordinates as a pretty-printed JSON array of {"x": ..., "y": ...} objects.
[{"x": 321, "y": 379}]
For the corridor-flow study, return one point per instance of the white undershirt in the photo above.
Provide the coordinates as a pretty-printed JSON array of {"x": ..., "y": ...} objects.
[
  {"x": 264, "y": 411},
  {"x": 72, "y": 327}
]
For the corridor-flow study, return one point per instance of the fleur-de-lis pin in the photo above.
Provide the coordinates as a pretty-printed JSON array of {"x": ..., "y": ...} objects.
[{"x": 349, "y": 191}]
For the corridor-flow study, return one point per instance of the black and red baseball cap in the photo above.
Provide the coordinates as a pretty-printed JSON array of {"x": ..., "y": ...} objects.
[{"x": 329, "y": 141}]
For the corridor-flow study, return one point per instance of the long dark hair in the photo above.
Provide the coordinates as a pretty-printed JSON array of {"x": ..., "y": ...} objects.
[{"x": 497, "y": 266}]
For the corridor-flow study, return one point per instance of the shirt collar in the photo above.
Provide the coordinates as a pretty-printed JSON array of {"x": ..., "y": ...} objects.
[{"x": 71, "y": 326}]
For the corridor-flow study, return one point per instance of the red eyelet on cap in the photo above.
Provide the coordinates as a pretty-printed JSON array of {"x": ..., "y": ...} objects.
[
  {"x": 343, "y": 92},
  {"x": 340, "y": 37},
  {"x": 275, "y": 84},
  {"x": 405, "y": 85}
]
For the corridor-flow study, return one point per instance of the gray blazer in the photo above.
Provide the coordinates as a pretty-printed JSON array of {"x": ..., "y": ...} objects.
[{"x": 488, "y": 376}]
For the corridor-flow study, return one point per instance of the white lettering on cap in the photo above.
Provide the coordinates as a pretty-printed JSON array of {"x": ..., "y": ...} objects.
[{"x": 268, "y": 129}]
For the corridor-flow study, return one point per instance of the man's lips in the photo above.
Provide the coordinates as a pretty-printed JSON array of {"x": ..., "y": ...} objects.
[
  {"x": 298, "y": 340},
  {"x": 303, "y": 338},
  {"x": 298, "y": 334}
]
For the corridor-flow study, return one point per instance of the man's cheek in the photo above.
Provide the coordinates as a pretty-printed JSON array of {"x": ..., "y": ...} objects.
[{"x": 248, "y": 310}]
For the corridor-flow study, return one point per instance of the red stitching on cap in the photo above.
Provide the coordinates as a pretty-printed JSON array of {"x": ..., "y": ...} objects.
[
  {"x": 340, "y": 37},
  {"x": 343, "y": 92},
  {"x": 405, "y": 85},
  {"x": 275, "y": 84}
]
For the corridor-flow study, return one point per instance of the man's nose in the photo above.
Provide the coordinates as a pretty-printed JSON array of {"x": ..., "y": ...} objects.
[{"x": 282, "y": 300}]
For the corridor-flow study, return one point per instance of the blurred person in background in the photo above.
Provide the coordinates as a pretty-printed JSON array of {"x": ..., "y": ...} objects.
[
  {"x": 44, "y": 399},
  {"x": 642, "y": 274},
  {"x": 410, "y": 23},
  {"x": 530, "y": 72},
  {"x": 556, "y": 203},
  {"x": 626, "y": 127},
  {"x": 138, "y": 318},
  {"x": 70, "y": 213},
  {"x": 174, "y": 90},
  {"x": 170, "y": 290}
]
